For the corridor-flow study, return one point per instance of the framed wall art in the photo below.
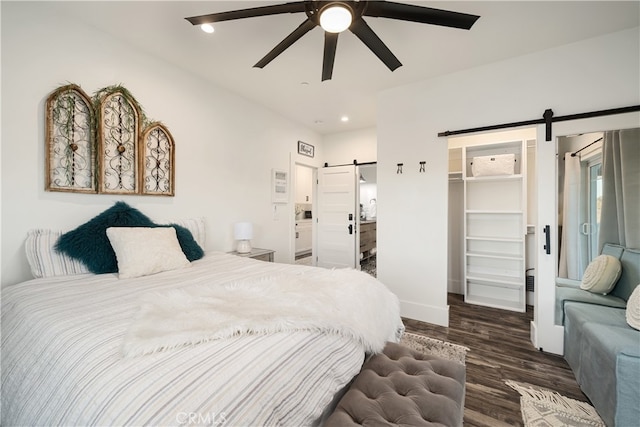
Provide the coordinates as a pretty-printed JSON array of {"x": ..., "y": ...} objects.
[{"x": 306, "y": 149}]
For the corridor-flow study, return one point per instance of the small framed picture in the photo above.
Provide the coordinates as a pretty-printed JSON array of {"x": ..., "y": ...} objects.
[
  {"x": 279, "y": 186},
  {"x": 305, "y": 149}
]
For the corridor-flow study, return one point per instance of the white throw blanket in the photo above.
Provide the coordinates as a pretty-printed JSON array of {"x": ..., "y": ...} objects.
[{"x": 347, "y": 302}]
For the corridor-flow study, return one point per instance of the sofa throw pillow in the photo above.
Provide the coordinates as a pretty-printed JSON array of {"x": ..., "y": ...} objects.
[
  {"x": 633, "y": 309},
  {"x": 601, "y": 274},
  {"x": 89, "y": 242},
  {"x": 142, "y": 251}
]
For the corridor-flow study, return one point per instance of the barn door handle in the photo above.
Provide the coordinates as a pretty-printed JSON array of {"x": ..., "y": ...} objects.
[{"x": 547, "y": 239}]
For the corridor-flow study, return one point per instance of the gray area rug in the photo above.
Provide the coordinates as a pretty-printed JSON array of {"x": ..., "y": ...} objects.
[
  {"x": 543, "y": 407},
  {"x": 443, "y": 349}
]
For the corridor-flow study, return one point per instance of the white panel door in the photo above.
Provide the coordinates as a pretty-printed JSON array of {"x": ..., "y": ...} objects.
[{"x": 337, "y": 217}]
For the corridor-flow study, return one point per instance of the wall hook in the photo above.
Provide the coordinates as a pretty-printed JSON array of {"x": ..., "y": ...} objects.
[
  {"x": 399, "y": 170},
  {"x": 422, "y": 166}
]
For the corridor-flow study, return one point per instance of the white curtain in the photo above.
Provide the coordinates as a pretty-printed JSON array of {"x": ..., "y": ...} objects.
[
  {"x": 620, "y": 215},
  {"x": 573, "y": 245}
]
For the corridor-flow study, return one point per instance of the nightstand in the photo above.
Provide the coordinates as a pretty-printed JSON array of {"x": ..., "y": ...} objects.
[{"x": 257, "y": 253}]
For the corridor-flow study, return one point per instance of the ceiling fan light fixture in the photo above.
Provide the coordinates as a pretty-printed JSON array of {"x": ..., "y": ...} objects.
[
  {"x": 207, "y": 28},
  {"x": 335, "y": 18}
]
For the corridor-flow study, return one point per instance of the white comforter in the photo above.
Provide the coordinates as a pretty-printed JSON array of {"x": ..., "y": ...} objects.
[{"x": 62, "y": 361}]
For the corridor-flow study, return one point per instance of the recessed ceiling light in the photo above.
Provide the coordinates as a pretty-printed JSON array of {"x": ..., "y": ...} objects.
[
  {"x": 304, "y": 83},
  {"x": 344, "y": 119},
  {"x": 207, "y": 28}
]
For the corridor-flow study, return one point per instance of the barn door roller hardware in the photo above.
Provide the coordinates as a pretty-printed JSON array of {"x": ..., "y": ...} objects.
[{"x": 547, "y": 119}]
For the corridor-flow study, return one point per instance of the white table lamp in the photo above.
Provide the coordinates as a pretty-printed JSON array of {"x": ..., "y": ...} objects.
[{"x": 243, "y": 233}]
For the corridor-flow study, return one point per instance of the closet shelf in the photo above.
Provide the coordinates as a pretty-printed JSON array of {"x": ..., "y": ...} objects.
[
  {"x": 494, "y": 178},
  {"x": 495, "y": 302},
  {"x": 492, "y": 212},
  {"x": 509, "y": 282},
  {"x": 496, "y": 239},
  {"x": 496, "y": 255}
]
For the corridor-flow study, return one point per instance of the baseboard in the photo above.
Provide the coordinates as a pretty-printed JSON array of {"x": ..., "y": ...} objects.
[{"x": 425, "y": 313}]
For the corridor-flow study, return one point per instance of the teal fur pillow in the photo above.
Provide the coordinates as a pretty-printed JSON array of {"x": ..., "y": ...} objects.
[
  {"x": 89, "y": 242},
  {"x": 190, "y": 247}
]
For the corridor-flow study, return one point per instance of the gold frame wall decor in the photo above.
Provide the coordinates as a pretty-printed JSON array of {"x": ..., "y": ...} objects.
[
  {"x": 97, "y": 146},
  {"x": 70, "y": 144},
  {"x": 157, "y": 160}
]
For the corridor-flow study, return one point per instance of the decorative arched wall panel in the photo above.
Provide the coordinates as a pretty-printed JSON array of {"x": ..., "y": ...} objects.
[
  {"x": 157, "y": 160},
  {"x": 118, "y": 131},
  {"x": 70, "y": 143},
  {"x": 106, "y": 145}
]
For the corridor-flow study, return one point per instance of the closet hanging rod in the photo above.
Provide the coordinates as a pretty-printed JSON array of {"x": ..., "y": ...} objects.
[
  {"x": 547, "y": 118},
  {"x": 586, "y": 146}
]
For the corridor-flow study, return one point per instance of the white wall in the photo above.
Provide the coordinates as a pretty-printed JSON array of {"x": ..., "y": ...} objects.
[
  {"x": 590, "y": 75},
  {"x": 226, "y": 146},
  {"x": 345, "y": 147}
]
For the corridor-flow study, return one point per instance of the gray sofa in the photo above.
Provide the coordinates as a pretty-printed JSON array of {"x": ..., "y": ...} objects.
[{"x": 601, "y": 348}]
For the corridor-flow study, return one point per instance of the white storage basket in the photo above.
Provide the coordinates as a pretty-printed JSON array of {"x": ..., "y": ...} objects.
[{"x": 499, "y": 164}]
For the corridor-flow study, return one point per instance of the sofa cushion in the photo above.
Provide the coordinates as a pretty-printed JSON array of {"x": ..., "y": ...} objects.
[
  {"x": 630, "y": 260},
  {"x": 601, "y": 274},
  {"x": 577, "y": 315},
  {"x": 601, "y": 346},
  {"x": 565, "y": 294}
]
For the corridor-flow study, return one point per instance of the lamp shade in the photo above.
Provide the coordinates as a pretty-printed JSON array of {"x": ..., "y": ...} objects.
[{"x": 243, "y": 231}]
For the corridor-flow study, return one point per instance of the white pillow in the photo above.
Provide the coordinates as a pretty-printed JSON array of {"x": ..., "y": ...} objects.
[
  {"x": 141, "y": 251},
  {"x": 601, "y": 274},
  {"x": 44, "y": 260},
  {"x": 633, "y": 309}
]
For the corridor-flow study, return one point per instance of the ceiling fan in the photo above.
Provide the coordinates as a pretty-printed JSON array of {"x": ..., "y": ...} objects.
[{"x": 337, "y": 16}]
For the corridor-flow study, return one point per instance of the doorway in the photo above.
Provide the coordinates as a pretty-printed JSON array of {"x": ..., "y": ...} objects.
[
  {"x": 545, "y": 334},
  {"x": 305, "y": 188},
  {"x": 491, "y": 217},
  {"x": 368, "y": 187}
]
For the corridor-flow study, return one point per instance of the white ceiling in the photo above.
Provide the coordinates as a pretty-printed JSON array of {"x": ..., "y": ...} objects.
[{"x": 292, "y": 85}]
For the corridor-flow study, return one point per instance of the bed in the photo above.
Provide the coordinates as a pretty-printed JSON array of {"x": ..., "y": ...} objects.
[{"x": 76, "y": 349}]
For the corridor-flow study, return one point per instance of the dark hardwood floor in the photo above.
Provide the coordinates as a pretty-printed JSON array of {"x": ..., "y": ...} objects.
[{"x": 500, "y": 350}]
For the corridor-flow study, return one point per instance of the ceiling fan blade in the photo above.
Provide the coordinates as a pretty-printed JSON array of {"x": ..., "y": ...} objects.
[
  {"x": 330, "y": 44},
  {"x": 422, "y": 14},
  {"x": 373, "y": 42},
  {"x": 303, "y": 29},
  {"x": 275, "y": 9}
]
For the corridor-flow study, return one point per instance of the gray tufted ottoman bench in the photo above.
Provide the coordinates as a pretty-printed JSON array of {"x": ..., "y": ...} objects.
[{"x": 403, "y": 387}]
